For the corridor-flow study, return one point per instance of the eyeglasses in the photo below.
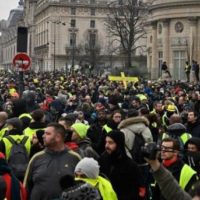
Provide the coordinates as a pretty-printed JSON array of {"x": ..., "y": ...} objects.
[{"x": 167, "y": 149}]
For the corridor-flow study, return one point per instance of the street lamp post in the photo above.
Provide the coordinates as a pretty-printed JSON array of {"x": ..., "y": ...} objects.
[
  {"x": 54, "y": 49},
  {"x": 54, "y": 42}
]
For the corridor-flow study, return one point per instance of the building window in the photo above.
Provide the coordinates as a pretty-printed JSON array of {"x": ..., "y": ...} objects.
[
  {"x": 92, "y": 24},
  {"x": 160, "y": 61},
  {"x": 72, "y": 40},
  {"x": 73, "y": 23},
  {"x": 73, "y": 1},
  {"x": 179, "y": 59},
  {"x": 151, "y": 39},
  {"x": 120, "y": 2},
  {"x": 73, "y": 11},
  {"x": 92, "y": 11},
  {"x": 92, "y": 40},
  {"x": 159, "y": 28},
  {"x": 92, "y": 1}
]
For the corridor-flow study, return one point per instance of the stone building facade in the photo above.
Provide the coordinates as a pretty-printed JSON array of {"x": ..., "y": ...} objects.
[
  {"x": 173, "y": 36},
  {"x": 8, "y": 37},
  {"x": 61, "y": 33}
]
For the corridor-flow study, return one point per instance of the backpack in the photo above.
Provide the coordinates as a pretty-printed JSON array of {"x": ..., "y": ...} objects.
[
  {"x": 18, "y": 159},
  {"x": 136, "y": 151}
]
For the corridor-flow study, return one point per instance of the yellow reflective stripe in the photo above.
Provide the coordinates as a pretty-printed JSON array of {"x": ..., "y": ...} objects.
[
  {"x": 29, "y": 164},
  {"x": 3, "y": 131},
  {"x": 165, "y": 135},
  {"x": 30, "y": 132},
  {"x": 8, "y": 146},
  {"x": 154, "y": 124},
  {"x": 75, "y": 154},
  {"x": 163, "y": 120},
  {"x": 107, "y": 128},
  {"x": 185, "y": 137},
  {"x": 186, "y": 174},
  {"x": 25, "y": 115}
]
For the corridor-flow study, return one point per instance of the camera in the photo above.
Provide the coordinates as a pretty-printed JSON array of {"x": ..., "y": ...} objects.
[{"x": 150, "y": 150}]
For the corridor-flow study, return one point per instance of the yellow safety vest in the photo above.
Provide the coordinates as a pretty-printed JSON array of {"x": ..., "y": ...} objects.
[
  {"x": 18, "y": 138},
  {"x": 104, "y": 186},
  {"x": 164, "y": 117},
  {"x": 3, "y": 131},
  {"x": 184, "y": 137},
  {"x": 25, "y": 115},
  {"x": 186, "y": 174},
  {"x": 30, "y": 132},
  {"x": 153, "y": 111},
  {"x": 107, "y": 128}
]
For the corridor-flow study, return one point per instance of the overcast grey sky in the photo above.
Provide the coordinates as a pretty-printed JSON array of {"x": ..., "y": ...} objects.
[{"x": 6, "y": 6}]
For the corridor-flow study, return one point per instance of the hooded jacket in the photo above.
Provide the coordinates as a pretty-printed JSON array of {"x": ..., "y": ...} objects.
[
  {"x": 135, "y": 125},
  {"x": 122, "y": 171},
  {"x": 193, "y": 158},
  {"x": 193, "y": 128}
]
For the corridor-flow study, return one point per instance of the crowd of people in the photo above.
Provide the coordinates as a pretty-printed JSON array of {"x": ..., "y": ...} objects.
[{"x": 79, "y": 137}]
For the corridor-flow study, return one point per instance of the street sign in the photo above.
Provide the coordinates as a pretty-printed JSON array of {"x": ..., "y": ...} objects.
[{"x": 22, "y": 61}]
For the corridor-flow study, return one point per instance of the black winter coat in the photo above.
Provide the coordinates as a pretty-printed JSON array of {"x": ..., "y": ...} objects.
[
  {"x": 123, "y": 174},
  {"x": 193, "y": 129}
]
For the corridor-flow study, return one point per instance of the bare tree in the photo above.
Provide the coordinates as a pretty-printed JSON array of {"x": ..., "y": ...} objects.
[{"x": 125, "y": 23}]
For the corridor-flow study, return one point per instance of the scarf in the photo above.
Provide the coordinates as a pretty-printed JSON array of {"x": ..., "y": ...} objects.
[{"x": 168, "y": 163}]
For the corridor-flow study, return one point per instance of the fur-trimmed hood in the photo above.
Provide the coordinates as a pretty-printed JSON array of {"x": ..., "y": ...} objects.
[{"x": 133, "y": 120}]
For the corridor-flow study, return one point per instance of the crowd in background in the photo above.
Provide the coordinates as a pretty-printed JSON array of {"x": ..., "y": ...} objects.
[{"x": 79, "y": 137}]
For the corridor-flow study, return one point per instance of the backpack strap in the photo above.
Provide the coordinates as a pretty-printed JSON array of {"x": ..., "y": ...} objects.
[
  {"x": 23, "y": 141},
  {"x": 11, "y": 140}
]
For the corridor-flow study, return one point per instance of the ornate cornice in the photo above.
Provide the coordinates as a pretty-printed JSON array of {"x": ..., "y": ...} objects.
[{"x": 174, "y": 4}]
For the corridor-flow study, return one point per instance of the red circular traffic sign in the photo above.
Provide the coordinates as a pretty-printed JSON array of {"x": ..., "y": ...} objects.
[{"x": 22, "y": 60}]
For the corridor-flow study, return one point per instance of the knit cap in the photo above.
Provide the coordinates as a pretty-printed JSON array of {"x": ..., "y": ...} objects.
[
  {"x": 89, "y": 167},
  {"x": 80, "y": 129},
  {"x": 15, "y": 122},
  {"x": 176, "y": 129}
]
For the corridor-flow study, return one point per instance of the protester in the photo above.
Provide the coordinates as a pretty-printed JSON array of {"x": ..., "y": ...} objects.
[
  {"x": 47, "y": 167},
  {"x": 10, "y": 187},
  {"x": 87, "y": 170},
  {"x": 79, "y": 136},
  {"x": 122, "y": 172},
  {"x": 192, "y": 156},
  {"x": 183, "y": 173}
]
